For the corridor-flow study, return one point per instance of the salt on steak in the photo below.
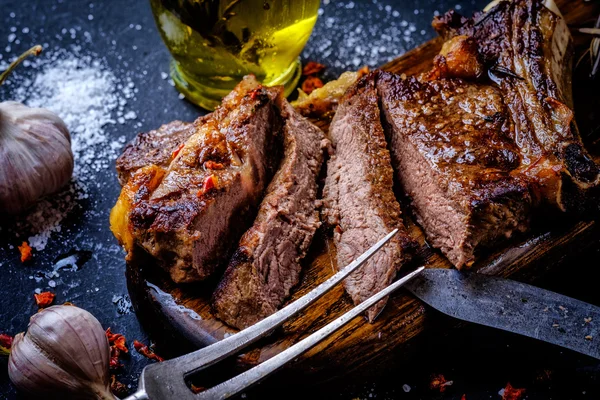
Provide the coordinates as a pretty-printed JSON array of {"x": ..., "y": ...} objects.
[
  {"x": 358, "y": 196},
  {"x": 266, "y": 265},
  {"x": 526, "y": 49},
  {"x": 191, "y": 213},
  {"x": 452, "y": 151}
]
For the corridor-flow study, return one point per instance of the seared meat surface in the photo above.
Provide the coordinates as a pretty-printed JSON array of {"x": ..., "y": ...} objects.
[
  {"x": 527, "y": 50},
  {"x": 358, "y": 195},
  {"x": 266, "y": 265},
  {"x": 451, "y": 147},
  {"x": 208, "y": 195},
  {"x": 152, "y": 148}
]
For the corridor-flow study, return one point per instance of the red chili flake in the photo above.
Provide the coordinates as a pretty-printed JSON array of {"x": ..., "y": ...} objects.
[
  {"x": 363, "y": 71},
  {"x": 196, "y": 389},
  {"x": 256, "y": 92},
  {"x": 114, "y": 358},
  {"x": 5, "y": 344},
  {"x": 118, "y": 389},
  {"x": 117, "y": 340},
  {"x": 177, "y": 150},
  {"x": 312, "y": 68},
  {"x": 44, "y": 299},
  {"x": 146, "y": 351},
  {"x": 439, "y": 382},
  {"x": 511, "y": 393},
  {"x": 210, "y": 182},
  {"x": 311, "y": 83},
  {"x": 213, "y": 165},
  {"x": 25, "y": 250},
  {"x": 463, "y": 397}
]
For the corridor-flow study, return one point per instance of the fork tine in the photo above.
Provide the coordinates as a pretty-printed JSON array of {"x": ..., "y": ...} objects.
[
  {"x": 243, "y": 381},
  {"x": 155, "y": 376}
]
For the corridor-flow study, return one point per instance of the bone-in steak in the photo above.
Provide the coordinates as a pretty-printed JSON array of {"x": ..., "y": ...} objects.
[
  {"x": 208, "y": 195},
  {"x": 266, "y": 264},
  {"x": 527, "y": 50},
  {"x": 358, "y": 196},
  {"x": 453, "y": 155}
]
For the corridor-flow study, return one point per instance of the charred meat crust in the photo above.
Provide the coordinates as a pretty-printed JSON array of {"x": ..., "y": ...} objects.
[
  {"x": 358, "y": 195},
  {"x": 451, "y": 148},
  {"x": 211, "y": 189},
  {"x": 527, "y": 50},
  {"x": 266, "y": 265}
]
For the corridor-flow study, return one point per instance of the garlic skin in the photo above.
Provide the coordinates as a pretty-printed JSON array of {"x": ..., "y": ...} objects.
[
  {"x": 64, "y": 354},
  {"x": 35, "y": 155}
]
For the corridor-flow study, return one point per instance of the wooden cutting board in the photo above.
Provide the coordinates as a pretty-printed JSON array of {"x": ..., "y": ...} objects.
[{"x": 185, "y": 309}]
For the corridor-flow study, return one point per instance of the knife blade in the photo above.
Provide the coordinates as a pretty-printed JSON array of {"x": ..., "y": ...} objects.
[{"x": 511, "y": 306}]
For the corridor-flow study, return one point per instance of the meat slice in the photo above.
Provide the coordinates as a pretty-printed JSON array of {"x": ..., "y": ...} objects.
[
  {"x": 155, "y": 147},
  {"x": 266, "y": 264},
  {"x": 358, "y": 195},
  {"x": 527, "y": 50},
  {"x": 451, "y": 147},
  {"x": 208, "y": 195}
]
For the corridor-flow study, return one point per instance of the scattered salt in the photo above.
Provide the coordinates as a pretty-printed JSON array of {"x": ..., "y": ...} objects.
[{"x": 406, "y": 388}]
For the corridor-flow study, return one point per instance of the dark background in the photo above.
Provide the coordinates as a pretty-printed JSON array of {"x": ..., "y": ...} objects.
[{"x": 479, "y": 361}]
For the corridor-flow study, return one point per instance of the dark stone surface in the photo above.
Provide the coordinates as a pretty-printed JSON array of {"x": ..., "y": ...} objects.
[{"x": 480, "y": 361}]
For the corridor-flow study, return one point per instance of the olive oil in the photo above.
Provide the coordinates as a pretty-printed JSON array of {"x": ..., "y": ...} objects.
[{"x": 215, "y": 43}]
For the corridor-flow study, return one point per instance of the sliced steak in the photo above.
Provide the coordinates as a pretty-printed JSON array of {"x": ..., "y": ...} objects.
[
  {"x": 452, "y": 151},
  {"x": 209, "y": 193},
  {"x": 358, "y": 195},
  {"x": 527, "y": 49},
  {"x": 156, "y": 147},
  {"x": 266, "y": 264}
]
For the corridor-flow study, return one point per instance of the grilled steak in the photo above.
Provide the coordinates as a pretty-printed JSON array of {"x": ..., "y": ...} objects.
[
  {"x": 358, "y": 196},
  {"x": 155, "y": 147},
  {"x": 266, "y": 264},
  {"x": 527, "y": 50},
  {"x": 452, "y": 151},
  {"x": 208, "y": 195}
]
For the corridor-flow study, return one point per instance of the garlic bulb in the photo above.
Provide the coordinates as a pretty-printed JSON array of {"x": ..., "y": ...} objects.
[
  {"x": 35, "y": 152},
  {"x": 64, "y": 354}
]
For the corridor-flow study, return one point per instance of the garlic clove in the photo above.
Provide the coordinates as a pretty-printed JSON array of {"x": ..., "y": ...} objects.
[{"x": 64, "y": 353}]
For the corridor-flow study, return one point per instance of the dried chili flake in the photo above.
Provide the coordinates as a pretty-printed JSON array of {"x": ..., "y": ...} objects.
[
  {"x": 44, "y": 299},
  {"x": 213, "y": 165},
  {"x": 439, "y": 382},
  {"x": 311, "y": 83},
  {"x": 196, "y": 389},
  {"x": 113, "y": 362},
  {"x": 463, "y": 397},
  {"x": 25, "y": 251},
  {"x": 511, "y": 393},
  {"x": 5, "y": 344},
  {"x": 312, "y": 68},
  {"x": 210, "y": 182},
  {"x": 177, "y": 150},
  {"x": 146, "y": 351},
  {"x": 117, "y": 340},
  {"x": 117, "y": 388},
  {"x": 255, "y": 93}
]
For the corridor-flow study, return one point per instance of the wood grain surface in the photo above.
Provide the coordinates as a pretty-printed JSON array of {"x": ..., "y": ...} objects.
[{"x": 185, "y": 309}]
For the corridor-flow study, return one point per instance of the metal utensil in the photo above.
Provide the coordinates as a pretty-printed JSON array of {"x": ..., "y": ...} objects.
[{"x": 166, "y": 380}]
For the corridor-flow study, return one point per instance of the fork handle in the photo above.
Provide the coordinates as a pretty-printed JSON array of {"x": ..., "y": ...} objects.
[{"x": 246, "y": 379}]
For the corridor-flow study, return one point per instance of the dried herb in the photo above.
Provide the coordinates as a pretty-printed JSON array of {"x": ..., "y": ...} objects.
[
  {"x": 146, "y": 351},
  {"x": 44, "y": 299},
  {"x": 25, "y": 251}
]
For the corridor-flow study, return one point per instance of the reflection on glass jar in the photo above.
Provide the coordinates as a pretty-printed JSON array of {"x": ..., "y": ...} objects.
[{"x": 215, "y": 43}]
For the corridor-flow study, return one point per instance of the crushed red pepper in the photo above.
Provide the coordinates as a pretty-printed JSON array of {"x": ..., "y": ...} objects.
[
  {"x": 44, "y": 299},
  {"x": 5, "y": 344},
  {"x": 311, "y": 83},
  {"x": 177, "y": 150},
  {"x": 117, "y": 347},
  {"x": 256, "y": 92},
  {"x": 511, "y": 393},
  {"x": 463, "y": 397},
  {"x": 439, "y": 382},
  {"x": 213, "y": 165},
  {"x": 117, "y": 388},
  {"x": 25, "y": 251},
  {"x": 196, "y": 389},
  {"x": 146, "y": 351},
  {"x": 210, "y": 182},
  {"x": 312, "y": 68}
]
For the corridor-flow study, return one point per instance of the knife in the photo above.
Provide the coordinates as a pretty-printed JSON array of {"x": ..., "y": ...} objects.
[{"x": 511, "y": 306}]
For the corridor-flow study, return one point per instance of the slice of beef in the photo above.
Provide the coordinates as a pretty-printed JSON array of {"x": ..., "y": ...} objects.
[
  {"x": 210, "y": 191},
  {"x": 527, "y": 49},
  {"x": 358, "y": 195},
  {"x": 155, "y": 147},
  {"x": 266, "y": 264},
  {"x": 451, "y": 148}
]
